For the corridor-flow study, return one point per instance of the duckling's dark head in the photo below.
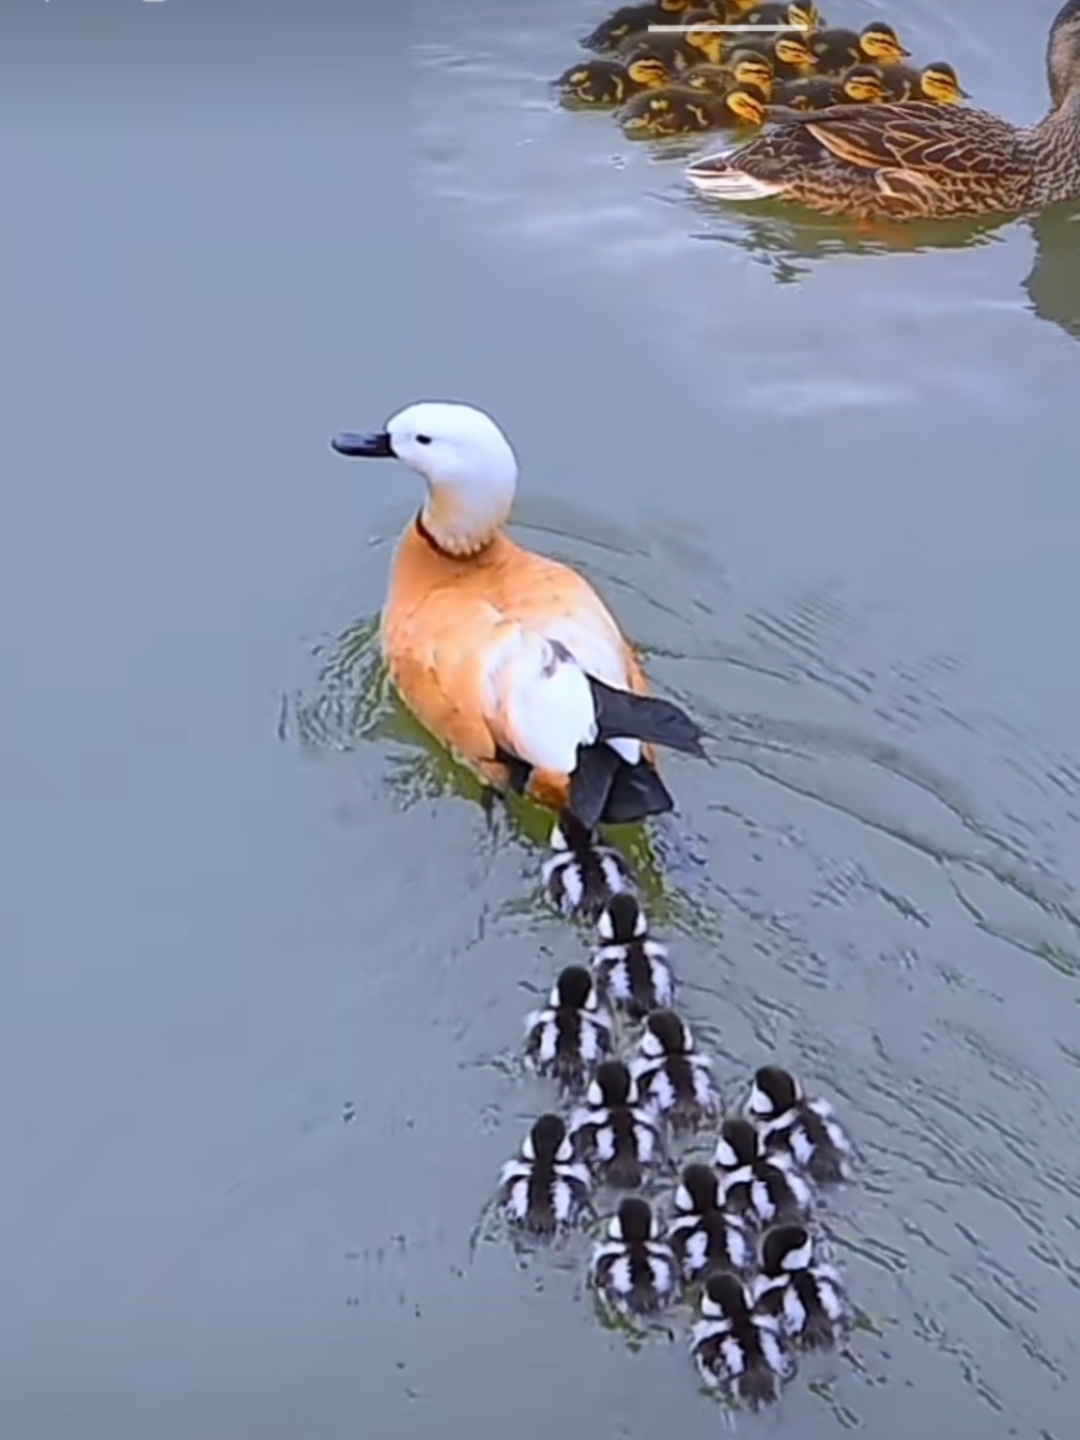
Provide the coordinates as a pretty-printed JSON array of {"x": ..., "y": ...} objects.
[
  {"x": 795, "y": 50},
  {"x": 699, "y": 1190},
  {"x": 737, "y": 1145},
  {"x": 665, "y": 1034},
  {"x": 547, "y": 1135},
  {"x": 939, "y": 82},
  {"x": 574, "y": 987},
  {"x": 786, "y": 1248},
  {"x": 774, "y": 1092},
  {"x": 612, "y": 1084},
  {"x": 725, "y": 1293},
  {"x": 635, "y": 1219},
  {"x": 748, "y": 68},
  {"x": 1063, "y": 53},
  {"x": 622, "y": 920},
  {"x": 863, "y": 85},
  {"x": 879, "y": 41}
]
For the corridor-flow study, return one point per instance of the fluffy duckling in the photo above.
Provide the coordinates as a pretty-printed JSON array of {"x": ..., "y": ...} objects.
[
  {"x": 677, "y": 110},
  {"x": 572, "y": 1034},
  {"x": 544, "y": 1189},
  {"x": 674, "y": 52},
  {"x": 837, "y": 50},
  {"x": 937, "y": 82},
  {"x": 583, "y": 875},
  {"x": 604, "y": 84},
  {"x": 634, "y": 1268},
  {"x": 790, "y": 55},
  {"x": 737, "y": 1349},
  {"x": 510, "y": 659},
  {"x": 802, "y": 15},
  {"x": 805, "y": 1130},
  {"x": 631, "y": 20},
  {"x": 742, "y": 67},
  {"x": 705, "y": 1236},
  {"x": 672, "y": 1076},
  {"x": 806, "y": 1297},
  {"x": 764, "y": 1189},
  {"x": 613, "y": 1131},
  {"x": 861, "y": 85},
  {"x": 631, "y": 968}
]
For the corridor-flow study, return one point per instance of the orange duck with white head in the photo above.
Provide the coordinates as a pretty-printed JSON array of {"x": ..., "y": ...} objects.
[{"x": 510, "y": 659}]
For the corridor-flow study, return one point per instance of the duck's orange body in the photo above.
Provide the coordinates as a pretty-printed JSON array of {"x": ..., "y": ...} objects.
[
  {"x": 512, "y": 660},
  {"x": 446, "y": 616}
]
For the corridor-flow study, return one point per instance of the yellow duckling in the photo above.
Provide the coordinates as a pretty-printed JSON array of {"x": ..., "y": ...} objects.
[
  {"x": 742, "y": 67},
  {"x": 632, "y": 20},
  {"x": 801, "y": 13},
  {"x": 917, "y": 160},
  {"x": 876, "y": 43},
  {"x": 862, "y": 85},
  {"x": 510, "y": 659},
  {"x": 791, "y": 55},
  {"x": 604, "y": 84},
  {"x": 672, "y": 51},
  {"x": 682, "y": 110},
  {"x": 938, "y": 82}
]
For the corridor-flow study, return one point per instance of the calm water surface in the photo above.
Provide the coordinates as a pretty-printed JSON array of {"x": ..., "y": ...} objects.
[{"x": 266, "y": 964}]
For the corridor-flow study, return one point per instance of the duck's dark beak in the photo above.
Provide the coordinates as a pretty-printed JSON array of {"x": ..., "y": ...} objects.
[{"x": 375, "y": 446}]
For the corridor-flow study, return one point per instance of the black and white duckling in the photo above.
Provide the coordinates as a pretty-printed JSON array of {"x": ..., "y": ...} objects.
[
  {"x": 673, "y": 1077},
  {"x": 631, "y": 968},
  {"x": 572, "y": 1034},
  {"x": 837, "y": 50},
  {"x": 612, "y": 1131},
  {"x": 806, "y": 1130},
  {"x": 764, "y": 1189},
  {"x": 861, "y": 85},
  {"x": 544, "y": 1189},
  {"x": 675, "y": 110},
  {"x": 630, "y": 20},
  {"x": 705, "y": 1236},
  {"x": 634, "y": 1269},
  {"x": 583, "y": 874},
  {"x": 604, "y": 84},
  {"x": 805, "y": 1296},
  {"x": 736, "y": 1348}
]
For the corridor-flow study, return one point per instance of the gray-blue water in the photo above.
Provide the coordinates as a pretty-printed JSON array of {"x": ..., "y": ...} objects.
[{"x": 265, "y": 967}]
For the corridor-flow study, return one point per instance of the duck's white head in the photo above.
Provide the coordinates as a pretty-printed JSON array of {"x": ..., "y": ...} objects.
[{"x": 470, "y": 469}]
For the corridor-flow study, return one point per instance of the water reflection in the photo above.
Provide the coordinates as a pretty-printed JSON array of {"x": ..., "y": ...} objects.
[{"x": 1053, "y": 285}]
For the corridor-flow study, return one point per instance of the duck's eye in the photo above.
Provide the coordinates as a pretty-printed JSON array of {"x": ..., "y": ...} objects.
[{"x": 423, "y": 439}]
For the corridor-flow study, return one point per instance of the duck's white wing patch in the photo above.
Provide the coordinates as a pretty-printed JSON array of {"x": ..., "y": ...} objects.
[{"x": 540, "y": 701}]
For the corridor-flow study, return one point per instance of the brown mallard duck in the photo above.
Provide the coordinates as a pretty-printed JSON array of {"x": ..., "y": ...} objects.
[
  {"x": 938, "y": 82},
  {"x": 838, "y": 50},
  {"x": 602, "y": 84},
  {"x": 632, "y": 20},
  {"x": 917, "y": 159},
  {"x": 682, "y": 110},
  {"x": 862, "y": 85},
  {"x": 742, "y": 67}
]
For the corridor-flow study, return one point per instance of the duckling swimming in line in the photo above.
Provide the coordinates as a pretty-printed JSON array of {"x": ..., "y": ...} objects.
[
  {"x": 634, "y": 1268},
  {"x": 572, "y": 1034},
  {"x": 764, "y": 1189},
  {"x": 937, "y": 82},
  {"x": 631, "y": 968},
  {"x": 613, "y": 1131},
  {"x": 806, "y": 1130},
  {"x": 584, "y": 874},
  {"x": 681, "y": 110},
  {"x": 545, "y": 1188},
  {"x": 604, "y": 84},
  {"x": 672, "y": 1076},
  {"x": 705, "y": 1236},
  {"x": 508, "y": 658},
  {"x": 806, "y": 1297},
  {"x": 916, "y": 160},
  {"x": 735, "y": 1348}
]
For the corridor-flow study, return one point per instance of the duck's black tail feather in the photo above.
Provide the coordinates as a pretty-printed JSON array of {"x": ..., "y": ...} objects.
[
  {"x": 605, "y": 790},
  {"x": 622, "y": 715}
]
